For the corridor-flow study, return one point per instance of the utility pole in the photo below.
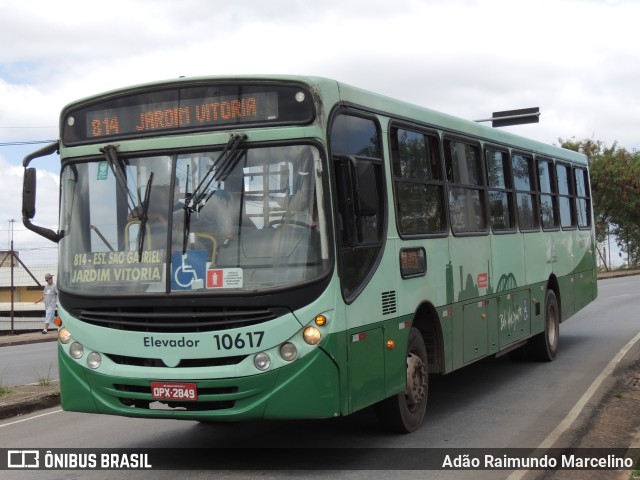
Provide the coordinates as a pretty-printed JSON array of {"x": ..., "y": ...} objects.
[{"x": 11, "y": 222}]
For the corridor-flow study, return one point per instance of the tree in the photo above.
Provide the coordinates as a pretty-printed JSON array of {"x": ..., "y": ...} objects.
[{"x": 615, "y": 187}]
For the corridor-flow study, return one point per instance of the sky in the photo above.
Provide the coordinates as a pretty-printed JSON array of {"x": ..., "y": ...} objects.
[{"x": 577, "y": 60}]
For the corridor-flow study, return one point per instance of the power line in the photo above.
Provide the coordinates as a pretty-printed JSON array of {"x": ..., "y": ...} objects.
[{"x": 32, "y": 142}]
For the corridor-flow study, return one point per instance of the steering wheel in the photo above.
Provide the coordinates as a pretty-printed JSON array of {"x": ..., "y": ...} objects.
[{"x": 289, "y": 222}]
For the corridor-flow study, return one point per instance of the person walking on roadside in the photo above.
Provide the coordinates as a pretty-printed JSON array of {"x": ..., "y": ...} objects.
[{"x": 50, "y": 297}]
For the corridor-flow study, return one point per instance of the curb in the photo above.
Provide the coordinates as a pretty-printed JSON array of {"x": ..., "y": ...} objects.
[
  {"x": 30, "y": 405},
  {"x": 27, "y": 337},
  {"x": 28, "y": 341}
]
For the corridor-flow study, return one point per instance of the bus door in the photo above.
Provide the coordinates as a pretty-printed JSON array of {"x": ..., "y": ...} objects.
[{"x": 360, "y": 218}]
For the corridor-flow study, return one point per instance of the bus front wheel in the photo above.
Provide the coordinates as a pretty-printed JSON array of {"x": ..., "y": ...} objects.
[
  {"x": 544, "y": 346},
  {"x": 405, "y": 411}
]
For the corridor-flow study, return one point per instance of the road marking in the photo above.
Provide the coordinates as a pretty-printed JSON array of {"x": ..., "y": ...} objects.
[
  {"x": 564, "y": 425},
  {"x": 30, "y": 418}
]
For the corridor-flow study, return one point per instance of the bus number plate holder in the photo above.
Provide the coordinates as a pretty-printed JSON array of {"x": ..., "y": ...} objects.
[{"x": 174, "y": 391}]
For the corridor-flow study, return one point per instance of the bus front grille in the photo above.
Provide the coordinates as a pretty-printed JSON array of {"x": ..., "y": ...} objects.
[
  {"x": 178, "y": 319},
  {"x": 184, "y": 363}
]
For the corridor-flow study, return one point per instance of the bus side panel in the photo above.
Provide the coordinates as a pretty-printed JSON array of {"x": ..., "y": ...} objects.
[
  {"x": 365, "y": 319},
  {"x": 366, "y": 366},
  {"x": 538, "y": 251},
  {"x": 435, "y": 287},
  {"x": 538, "y": 298},
  {"x": 507, "y": 275},
  {"x": 584, "y": 289},
  {"x": 395, "y": 360},
  {"x": 564, "y": 268},
  {"x": 471, "y": 265},
  {"x": 567, "y": 295},
  {"x": 476, "y": 336},
  {"x": 471, "y": 262},
  {"x": 586, "y": 274},
  {"x": 507, "y": 262}
]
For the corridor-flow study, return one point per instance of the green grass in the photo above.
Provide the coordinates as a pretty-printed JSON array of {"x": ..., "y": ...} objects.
[
  {"x": 5, "y": 389},
  {"x": 44, "y": 380}
]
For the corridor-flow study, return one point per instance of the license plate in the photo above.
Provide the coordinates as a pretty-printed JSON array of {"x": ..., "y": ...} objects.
[{"x": 174, "y": 391}]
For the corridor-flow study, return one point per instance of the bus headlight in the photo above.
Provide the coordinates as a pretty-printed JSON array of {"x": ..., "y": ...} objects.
[
  {"x": 94, "y": 360},
  {"x": 288, "y": 351},
  {"x": 262, "y": 361},
  {"x": 64, "y": 335},
  {"x": 311, "y": 335},
  {"x": 76, "y": 350}
]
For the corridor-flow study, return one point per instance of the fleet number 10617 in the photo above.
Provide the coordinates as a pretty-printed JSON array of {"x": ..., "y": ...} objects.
[{"x": 238, "y": 341}]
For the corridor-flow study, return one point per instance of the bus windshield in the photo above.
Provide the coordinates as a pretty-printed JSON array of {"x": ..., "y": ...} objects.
[{"x": 203, "y": 221}]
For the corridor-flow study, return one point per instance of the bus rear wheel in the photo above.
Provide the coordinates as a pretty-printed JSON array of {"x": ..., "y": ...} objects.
[
  {"x": 544, "y": 346},
  {"x": 405, "y": 411}
]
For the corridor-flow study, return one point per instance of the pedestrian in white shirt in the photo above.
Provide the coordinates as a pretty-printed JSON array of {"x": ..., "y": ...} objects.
[{"x": 50, "y": 297}]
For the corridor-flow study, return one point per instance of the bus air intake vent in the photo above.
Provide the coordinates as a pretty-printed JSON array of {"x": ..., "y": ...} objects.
[
  {"x": 389, "y": 303},
  {"x": 184, "y": 363},
  {"x": 178, "y": 319}
]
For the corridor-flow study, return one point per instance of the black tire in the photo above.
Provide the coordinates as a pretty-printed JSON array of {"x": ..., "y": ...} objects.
[
  {"x": 404, "y": 412},
  {"x": 544, "y": 346}
]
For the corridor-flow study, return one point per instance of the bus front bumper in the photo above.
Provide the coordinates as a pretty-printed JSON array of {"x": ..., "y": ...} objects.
[{"x": 307, "y": 388}]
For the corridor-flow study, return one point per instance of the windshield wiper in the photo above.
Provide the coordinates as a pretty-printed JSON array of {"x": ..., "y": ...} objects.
[
  {"x": 144, "y": 217},
  {"x": 223, "y": 165},
  {"x": 187, "y": 214},
  {"x": 117, "y": 167}
]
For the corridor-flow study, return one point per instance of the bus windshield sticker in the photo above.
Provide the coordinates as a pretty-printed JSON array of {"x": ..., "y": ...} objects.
[
  {"x": 103, "y": 171},
  {"x": 188, "y": 270},
  {"x": 225, "y": 278}
]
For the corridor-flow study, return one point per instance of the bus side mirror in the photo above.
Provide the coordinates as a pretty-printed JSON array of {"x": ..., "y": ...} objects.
[{"x": 29, "y": 193}]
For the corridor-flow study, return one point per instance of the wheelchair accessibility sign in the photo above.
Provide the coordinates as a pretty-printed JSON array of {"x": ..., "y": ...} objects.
[{"x": 188, "y": 271}]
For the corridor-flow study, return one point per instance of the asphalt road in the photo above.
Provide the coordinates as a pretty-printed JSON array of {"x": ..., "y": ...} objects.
[
  {"x": 30, "y": 363},
  {"x": 495, "y": 403}
]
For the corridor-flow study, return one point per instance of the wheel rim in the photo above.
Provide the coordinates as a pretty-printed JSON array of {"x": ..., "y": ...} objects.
[
  {"x": 552, "y": 332},
  {"x": 416, "y": 390}
]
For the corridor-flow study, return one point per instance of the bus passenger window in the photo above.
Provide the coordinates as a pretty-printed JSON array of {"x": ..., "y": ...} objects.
[
  {"x": 524, "y": 182},
  {"x": 566, "y": 200},
  {"x": 467, "y": 210},
  {"x": 501, "y": 204},
  {"x": 583, "y": 201},
  {"x": 419, "y": 189},
  {"x": 548, "y": 195}
]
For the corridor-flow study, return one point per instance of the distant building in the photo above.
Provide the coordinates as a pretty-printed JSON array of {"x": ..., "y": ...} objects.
[{"x": 28, "y": 281}]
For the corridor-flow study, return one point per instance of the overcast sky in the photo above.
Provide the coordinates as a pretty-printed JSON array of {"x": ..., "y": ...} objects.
[{"x": 578, "y": 60}]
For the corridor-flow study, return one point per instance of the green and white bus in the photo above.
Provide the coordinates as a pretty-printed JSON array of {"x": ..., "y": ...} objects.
[{"x": 283, "y": 247}]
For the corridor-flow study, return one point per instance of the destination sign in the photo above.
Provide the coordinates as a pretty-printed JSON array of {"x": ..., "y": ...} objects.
[
  {"x": 177, "y": 110},
  {"x": 117, "y": 267}
]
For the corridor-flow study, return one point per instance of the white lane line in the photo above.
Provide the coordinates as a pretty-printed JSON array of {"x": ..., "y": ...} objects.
[
  {"x": 564, "y": 425},
  {"x": 30, "y": 418}
]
